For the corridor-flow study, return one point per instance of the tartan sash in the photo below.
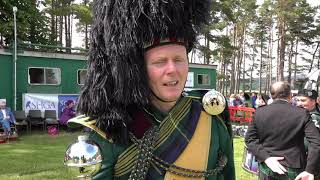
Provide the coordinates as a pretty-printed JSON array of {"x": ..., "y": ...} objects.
[
  {"x": 175, "y": 132},
  {"x": 195, "y": 156}
]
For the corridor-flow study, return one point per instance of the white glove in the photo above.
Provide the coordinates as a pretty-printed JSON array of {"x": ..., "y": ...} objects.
[
  {"x": 305, "y": 176},
  {"x": 274, "y": 165}
]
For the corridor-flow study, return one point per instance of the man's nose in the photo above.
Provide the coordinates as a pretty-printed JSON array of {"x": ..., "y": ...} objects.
[{"x": 171, "y": 66}]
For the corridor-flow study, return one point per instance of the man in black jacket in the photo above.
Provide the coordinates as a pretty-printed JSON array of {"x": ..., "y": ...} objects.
[{"x": 276, "y": 135}]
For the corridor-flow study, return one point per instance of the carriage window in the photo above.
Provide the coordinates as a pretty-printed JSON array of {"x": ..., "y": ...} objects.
[
  {"x": 203, "y": 79},
  {"x": 82, "y": 74},
  {"x": 44, "y": 76}
]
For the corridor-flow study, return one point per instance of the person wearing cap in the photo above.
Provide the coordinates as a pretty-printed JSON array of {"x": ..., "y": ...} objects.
[
  {"x": 308, "y": 100},
  {"x": 276, "y": 138},
  {"x": 6, "y": 117},
  {"x": 132, "y": 98}
]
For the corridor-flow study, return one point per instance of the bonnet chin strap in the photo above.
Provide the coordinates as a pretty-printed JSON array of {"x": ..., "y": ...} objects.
[{"x": 162, "y": 99}]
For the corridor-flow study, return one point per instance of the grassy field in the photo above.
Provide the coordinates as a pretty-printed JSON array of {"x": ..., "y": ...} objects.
[{"x": 40, "y": 156}]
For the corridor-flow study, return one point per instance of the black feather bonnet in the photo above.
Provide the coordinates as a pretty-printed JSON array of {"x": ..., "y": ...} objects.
[{"x": 116, "y": 76}]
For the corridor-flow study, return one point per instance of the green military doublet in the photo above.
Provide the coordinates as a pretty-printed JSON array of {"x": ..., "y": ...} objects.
[{"x": 176, "y": 129}]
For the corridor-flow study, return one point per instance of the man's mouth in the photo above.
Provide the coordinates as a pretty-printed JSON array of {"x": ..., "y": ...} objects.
[{"x": 171, "y": 83}]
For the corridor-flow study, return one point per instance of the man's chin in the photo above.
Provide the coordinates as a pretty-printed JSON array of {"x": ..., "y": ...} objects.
[{"x": 171, "y": 98}]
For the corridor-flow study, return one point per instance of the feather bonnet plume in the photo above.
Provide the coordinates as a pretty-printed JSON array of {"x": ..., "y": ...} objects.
[{"x": 116, "y": 76}]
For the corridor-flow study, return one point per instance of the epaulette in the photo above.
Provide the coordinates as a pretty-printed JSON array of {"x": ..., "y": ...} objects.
[
  {"x": 87, "y": 122},
  {"x": 193, "y": 95}
]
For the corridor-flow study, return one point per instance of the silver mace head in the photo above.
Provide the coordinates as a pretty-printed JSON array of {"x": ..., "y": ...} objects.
[
  {"x": 83, "y": 158},
  {"x": 213, "y": 102}
]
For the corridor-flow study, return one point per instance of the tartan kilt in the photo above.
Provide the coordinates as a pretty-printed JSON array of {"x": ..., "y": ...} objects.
[{"x": 266, "y": 173}]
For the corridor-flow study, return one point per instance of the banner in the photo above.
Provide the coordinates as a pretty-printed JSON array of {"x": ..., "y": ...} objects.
[
  {"x": 34, "y": 101},
  {"x": 62, "y": 102}
]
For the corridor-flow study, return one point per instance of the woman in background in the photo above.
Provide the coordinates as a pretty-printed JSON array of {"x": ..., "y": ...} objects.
[{"x": 67, "y": 113}]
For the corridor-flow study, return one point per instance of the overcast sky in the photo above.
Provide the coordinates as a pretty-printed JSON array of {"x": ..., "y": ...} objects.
[{"x": 78, "y": 39}]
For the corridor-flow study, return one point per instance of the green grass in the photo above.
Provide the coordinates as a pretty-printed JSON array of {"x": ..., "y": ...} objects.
[
  {"x": 40, "y": 156},
  {"x": 36, "y": 156},
  {"x": 241, "y": 174}
]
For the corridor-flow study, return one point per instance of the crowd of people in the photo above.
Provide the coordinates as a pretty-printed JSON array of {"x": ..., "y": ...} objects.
[
  {"x": 245, "y": 100},
  {"x": 257, "y": 100}
]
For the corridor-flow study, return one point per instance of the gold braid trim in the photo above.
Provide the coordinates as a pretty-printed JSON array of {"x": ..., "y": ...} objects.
[{"x": 87, "y": 122}]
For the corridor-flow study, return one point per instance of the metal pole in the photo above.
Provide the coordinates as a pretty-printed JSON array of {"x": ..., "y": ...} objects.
[{"x": 15, "y": 57}]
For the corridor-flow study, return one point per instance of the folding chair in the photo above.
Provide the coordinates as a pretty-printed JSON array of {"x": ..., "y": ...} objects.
[
  {"x": 21, "y": 119},
  {"x": 50, "y": 117},
  {"x": 35, "y": 118}
]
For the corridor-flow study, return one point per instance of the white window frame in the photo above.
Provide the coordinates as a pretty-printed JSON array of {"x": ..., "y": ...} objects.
[
  {"x": 203, "y": 75},
  {"x": 44, "y": 78},
  {"x": 78, "y": 80}
]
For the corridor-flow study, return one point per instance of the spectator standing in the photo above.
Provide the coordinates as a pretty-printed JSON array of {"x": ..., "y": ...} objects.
[
  {"x": 253, "y": 99},
  {"x": 231, "y": 100},
  {"x": 247, "y": 100},
  {"x": 276, "y": 136},
  {"x": 237, "y": 101},
  {"x": 262, "y": 100}
]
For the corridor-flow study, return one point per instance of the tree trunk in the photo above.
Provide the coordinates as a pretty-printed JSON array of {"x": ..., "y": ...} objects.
[
  {"x": 243, "y": 56},
  {"x": 60, "y": 30},
  {"x": 232, "y": 75},
  {"x": 260, "y": 66},
  {"x": 86, "y": 39},
  {"x": 290, "y": 62},
  {"x": 220, "y": 81},
  {"x": 207, "y": 52},
  {"x": 253, "y": 61},
  {"x": 295, "y": 64},
  {"x": 53, "y": 24},
  {"x": 313, "y": 57},
  {"x": 282, "y": 48},
  {"x": 270, "y": 56}
]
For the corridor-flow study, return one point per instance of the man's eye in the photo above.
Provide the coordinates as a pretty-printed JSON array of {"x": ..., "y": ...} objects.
[{"x": 158, "y": 62}]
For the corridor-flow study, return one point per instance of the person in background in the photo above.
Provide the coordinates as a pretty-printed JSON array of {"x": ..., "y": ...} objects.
[
  {"x": 318, "y": 100},
  {"x": 261, "y": 100},
  {"x": 276, "y": 138},
  {"x": 253, "y": 99},
  {"x": 67, "y": 113},
  {"x": 231, "y": 100},
  {"x": 242, "y": 96},
  {"x": 247, "y": 100},
  {"x": 6, "y": 117},
  {"x": 308, "y": 100},
  {"x": 238, "y": 101}
]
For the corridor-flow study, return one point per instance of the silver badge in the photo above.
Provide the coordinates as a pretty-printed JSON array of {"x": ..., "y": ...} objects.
[{"x": 213, "y": 102}]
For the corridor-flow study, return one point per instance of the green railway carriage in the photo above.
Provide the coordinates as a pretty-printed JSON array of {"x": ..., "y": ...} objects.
[
  {"x": 38, "y": 72},
  {"x": 61, "y": 73}
]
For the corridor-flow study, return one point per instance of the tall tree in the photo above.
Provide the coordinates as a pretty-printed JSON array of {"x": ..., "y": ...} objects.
[{"x": 31, "y": 22}]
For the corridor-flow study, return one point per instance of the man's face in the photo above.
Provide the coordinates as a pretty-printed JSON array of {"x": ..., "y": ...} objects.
[
  {"x": 2, "y": 105},
  {"x": 167, "y": 70},
  {"x": 305, "y": 102}
]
